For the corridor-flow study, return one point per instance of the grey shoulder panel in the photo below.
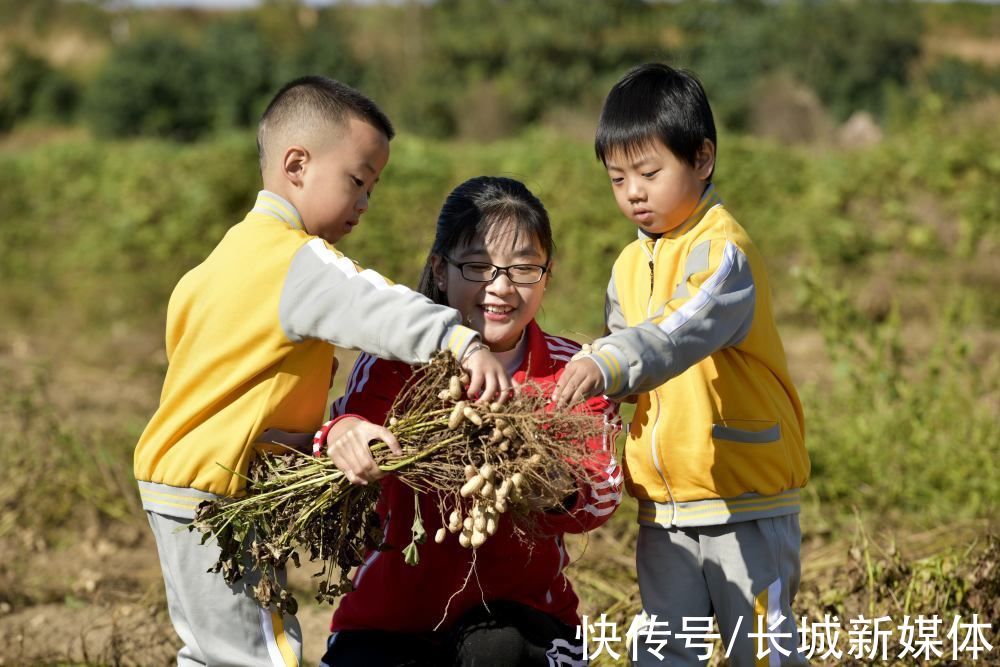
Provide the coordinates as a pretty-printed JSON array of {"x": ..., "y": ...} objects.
[
  {"x": 326, "y": 296},
  {"x": 697, "y": 261}
]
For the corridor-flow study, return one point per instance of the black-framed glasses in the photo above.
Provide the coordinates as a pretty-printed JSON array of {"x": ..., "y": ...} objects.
[{"x": 484, "y": 272}]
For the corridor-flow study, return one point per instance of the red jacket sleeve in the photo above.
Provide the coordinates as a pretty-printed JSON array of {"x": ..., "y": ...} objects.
[
  {"x": 598, "y": 497},
  {"x": 371, "y": 389}
]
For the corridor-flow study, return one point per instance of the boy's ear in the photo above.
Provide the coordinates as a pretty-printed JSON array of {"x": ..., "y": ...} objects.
[
  {"x": 704, "y": 161},
  {"x": 294, "y": 163}
]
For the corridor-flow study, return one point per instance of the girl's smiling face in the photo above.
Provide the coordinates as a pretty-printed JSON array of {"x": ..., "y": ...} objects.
[{"x": 500, "y": 309}]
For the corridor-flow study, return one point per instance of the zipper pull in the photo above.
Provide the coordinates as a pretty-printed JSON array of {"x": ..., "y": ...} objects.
[{"x": 650, "y": 278}]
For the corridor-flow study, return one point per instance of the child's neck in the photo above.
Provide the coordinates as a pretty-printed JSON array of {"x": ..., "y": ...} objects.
[
  {"x": 512, "y": 358},
  {"x": 278, "y": 187}
]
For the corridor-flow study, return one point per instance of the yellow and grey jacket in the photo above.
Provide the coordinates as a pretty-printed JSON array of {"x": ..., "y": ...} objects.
[
  {"x": 717, "y": 435},
  {"x": 250, "y": 344}
]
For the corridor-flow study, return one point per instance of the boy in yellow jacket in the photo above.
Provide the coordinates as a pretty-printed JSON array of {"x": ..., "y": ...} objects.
[
  {"x": 250, "y": 344},
  {"x": 715, "y": 453}
]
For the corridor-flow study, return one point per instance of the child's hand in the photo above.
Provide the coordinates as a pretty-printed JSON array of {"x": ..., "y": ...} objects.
[
  {"x": 486, "y": 374},
  {"x": 580, "y": 380},
  {"x": 348, "y": 446}
]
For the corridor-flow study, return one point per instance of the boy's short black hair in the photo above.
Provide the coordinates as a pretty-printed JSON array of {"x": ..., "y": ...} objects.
[
  {"x": 655, "y": 101},
  {"x": 318, "y": 97}
]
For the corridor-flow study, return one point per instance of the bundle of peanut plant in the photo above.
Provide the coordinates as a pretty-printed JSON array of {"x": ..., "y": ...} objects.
[{"x": 478, "y": 462}]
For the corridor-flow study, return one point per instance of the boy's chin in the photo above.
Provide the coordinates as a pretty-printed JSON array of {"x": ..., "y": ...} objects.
[
  {"x": 653, "y": 228},
  {"x": 331, "y": 237}
]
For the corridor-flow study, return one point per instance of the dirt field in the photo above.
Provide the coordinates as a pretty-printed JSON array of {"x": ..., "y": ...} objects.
[{"x": 91, "y": 592}]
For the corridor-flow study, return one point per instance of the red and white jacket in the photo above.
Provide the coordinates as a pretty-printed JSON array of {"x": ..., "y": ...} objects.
[{"x": 392, "y": 596}]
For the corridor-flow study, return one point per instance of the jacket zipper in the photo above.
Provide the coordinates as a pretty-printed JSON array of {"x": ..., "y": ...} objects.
[
  {"x": 654, "y": 396},
  {"x": 651, "y": 254}
]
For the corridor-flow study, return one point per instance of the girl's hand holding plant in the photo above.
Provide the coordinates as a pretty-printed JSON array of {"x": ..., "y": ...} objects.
[{"x": 348, "y": 444}]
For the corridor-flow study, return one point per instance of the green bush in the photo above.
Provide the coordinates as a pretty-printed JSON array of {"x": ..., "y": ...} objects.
[
  {"x": 32, "y": 88},
  {"x": 852, "y": 53},
  {"x": 849, "y": 53},
  {"x": 490, "y": 71},
  {"x": 238, "y": 72},
  {"x": 960, "y": 80},
  {"x": 159, "y": 85},
  {"x": 323, "y": 50},
  {"x": 153, "y": 86}
]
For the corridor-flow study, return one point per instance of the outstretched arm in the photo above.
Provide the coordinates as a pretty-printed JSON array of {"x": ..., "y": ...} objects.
[
  {"x": 329, "y": 297},
  {"x": 710, "y": 310}
]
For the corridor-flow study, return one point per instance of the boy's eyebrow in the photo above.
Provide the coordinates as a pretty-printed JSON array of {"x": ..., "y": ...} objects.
[
  {"x": 371, "y": 170},
  {"x": 635, "y": 165}
]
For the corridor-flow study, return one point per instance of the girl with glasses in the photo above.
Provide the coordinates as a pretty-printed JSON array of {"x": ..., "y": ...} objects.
[{"x": 491, "y": 261}]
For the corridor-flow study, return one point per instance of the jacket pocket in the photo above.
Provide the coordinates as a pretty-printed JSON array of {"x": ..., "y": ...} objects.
[{"x": 747, "y": 431}]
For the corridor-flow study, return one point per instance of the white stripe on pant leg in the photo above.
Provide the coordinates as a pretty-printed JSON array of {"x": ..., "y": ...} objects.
[
  {"x": 563, "y": 652},
  {"x": 773, "y": 614},
  {"x": 267, "y": 628},
  {"x": 567, "y": 647}
]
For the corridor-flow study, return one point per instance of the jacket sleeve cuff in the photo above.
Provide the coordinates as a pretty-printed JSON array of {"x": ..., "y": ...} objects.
[
  {"x": 457, "y": 339},
  {"x": 614, "y": 368}
]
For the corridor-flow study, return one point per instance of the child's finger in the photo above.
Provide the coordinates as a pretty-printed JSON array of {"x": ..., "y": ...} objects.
[
  {"x": 489, "y": 389},
  {"x": 475, "y": 381},
  {"x": 507, "y": 387},
  {"x": 569, "y": 387},
  {"x": 560, "y": 385},
  {"x": 386, "y": 436},
  {"x": 341, "y": 458},
  {"x": 364, "y": 463},
  {"x": 370, "y": 470},
  {"x": 353, "y": 478}
]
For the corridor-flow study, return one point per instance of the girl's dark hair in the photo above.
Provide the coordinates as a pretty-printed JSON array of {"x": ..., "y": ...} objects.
[
  {"x": 473, "y": 208},
  {"x": 655, "y": 101}
]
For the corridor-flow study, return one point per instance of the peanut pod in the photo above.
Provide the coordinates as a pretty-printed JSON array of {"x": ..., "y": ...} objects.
[
  {"x": 472, "y": 486},
  {"x": 455, "y": 419},
  {"x": 454, "y": 388},
  {"x": 472, "y": 416}
]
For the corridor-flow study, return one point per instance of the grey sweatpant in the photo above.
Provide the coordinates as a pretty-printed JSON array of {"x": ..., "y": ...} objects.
[
  {"x": 218, "y": 623},
  {"x": 736, "y": 572}
]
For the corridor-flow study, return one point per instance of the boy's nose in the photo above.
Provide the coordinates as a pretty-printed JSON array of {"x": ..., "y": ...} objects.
[
  {"x": 362, "y": 204},
  {"x": 635, "y": 191}
]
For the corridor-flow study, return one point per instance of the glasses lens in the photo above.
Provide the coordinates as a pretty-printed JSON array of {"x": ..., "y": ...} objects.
[
  {"x": 525, "y": 273},
  {"x": 478, "y": 272}
]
